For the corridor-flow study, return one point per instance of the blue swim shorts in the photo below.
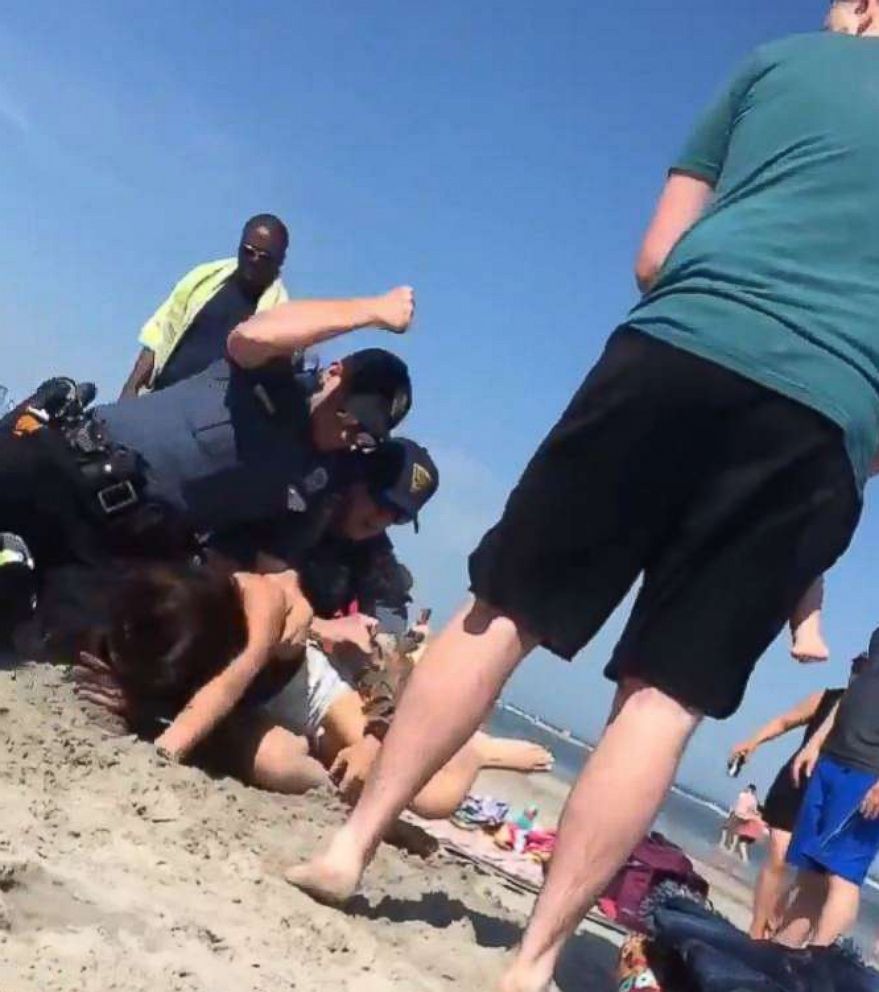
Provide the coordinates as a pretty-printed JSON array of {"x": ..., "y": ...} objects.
[{"x": 831, "y": 835}]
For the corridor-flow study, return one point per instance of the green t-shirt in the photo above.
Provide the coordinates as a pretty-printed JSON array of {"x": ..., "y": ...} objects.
[{"x": 779, "y": 280}]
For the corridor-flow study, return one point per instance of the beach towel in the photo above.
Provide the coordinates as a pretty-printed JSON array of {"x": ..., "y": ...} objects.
[
  {"x": 539, "y": 844},
  {"x": 481, "y": 812},
  {"x": 634, "y": 973}
]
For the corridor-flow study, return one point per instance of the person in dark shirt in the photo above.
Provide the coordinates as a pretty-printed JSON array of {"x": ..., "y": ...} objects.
[
  {"x": 783, "y": 800},
  {"x": 355, "y": 565},
  {"x": 189, "y": 330},
  {"x": 352, "y": 569},
  {"x": 205, "y": 340},
  {"x": 837, "y": 832}
]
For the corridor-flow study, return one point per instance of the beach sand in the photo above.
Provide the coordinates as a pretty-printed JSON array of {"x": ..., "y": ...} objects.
[{"x": 120, "y": 872}]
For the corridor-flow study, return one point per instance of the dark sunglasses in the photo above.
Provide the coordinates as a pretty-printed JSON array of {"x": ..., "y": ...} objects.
[
  {"x": 256, "y": 254},
  {"x": 363, "y": 442}
]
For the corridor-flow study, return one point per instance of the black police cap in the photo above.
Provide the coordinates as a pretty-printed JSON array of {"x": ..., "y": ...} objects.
[
  {"x": 378, "y": 390},
  {"x": 402, "y": 475}
]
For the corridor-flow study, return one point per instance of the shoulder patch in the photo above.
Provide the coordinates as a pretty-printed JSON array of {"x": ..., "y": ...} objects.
[{"x": 421, "y": 479}]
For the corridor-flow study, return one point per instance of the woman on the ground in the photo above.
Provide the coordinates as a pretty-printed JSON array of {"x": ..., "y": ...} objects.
[{"x": 223, "y": 664}]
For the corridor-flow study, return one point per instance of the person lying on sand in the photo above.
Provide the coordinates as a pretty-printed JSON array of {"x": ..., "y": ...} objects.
[
  {"x": 353, "y": 569},
  {"x": 223, "y": 663}
]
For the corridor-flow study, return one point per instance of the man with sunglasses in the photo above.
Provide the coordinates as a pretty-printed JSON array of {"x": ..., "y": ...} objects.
[
  {"x": 190, "y": 328},
  {"x": 247, "y": 439}
]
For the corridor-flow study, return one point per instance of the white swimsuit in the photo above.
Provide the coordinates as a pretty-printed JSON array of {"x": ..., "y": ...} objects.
[{"x": 302, "y": 704}]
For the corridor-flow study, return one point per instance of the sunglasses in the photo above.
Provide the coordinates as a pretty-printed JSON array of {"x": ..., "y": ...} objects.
[
  {"x": 362, "y": 440},
  {"x": 256, "y": 254}
]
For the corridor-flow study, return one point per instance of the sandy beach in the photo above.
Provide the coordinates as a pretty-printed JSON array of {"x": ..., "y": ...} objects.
[{"x": 119, "y": 872}]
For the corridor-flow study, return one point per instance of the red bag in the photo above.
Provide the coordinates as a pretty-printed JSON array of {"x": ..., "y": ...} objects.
[{"x": 654, "y": 861}]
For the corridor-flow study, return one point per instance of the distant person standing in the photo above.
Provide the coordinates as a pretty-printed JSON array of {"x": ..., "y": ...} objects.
[
  {"x": 837, "y": 832},
  {"x": 189, "y": 330},
  {"x": 783, "y": 800},
  {"x": 744, "y": 825}
]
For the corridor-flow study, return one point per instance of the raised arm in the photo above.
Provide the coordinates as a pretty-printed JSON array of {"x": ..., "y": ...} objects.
[
  {"x": 799, "y": 716},
  {"x": 295, "y": 326},
  {"x": 681, "y": 204},
  {"x": 140, "y": 374}
]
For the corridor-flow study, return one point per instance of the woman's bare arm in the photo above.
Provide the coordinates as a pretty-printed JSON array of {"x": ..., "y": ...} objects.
[{"x": 266, "y": 610}]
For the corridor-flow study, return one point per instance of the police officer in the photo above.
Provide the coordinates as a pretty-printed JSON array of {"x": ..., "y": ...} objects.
[
  {"x": 246, "y": 439},
  {"x": 354, "y": 563}
]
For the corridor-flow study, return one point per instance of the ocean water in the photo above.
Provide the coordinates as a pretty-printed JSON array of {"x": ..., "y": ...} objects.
[{"x": 691, "y": 821}]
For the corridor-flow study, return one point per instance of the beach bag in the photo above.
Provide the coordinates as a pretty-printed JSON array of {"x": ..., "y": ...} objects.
[{"x": 655, "y": 861}]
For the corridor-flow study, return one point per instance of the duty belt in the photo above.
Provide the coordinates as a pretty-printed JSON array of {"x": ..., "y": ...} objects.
[{"x": 113, "y": 474}]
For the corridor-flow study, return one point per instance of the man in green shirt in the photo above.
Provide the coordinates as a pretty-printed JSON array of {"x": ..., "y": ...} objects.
[
  {"x": 717, "y": 451},
  {"x": 189, "y": 330}
]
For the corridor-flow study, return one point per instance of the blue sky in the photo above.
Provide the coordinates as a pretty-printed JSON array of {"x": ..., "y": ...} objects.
[{"x": 501, "y": 156}]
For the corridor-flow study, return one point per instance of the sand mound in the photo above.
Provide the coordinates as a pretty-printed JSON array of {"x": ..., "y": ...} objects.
[{"x": 119, "y": 872}]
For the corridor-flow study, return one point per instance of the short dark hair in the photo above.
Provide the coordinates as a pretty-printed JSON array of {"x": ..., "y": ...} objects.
[
  {"x": 172, "y": 628},
  {"x": 272, "y": 223}
]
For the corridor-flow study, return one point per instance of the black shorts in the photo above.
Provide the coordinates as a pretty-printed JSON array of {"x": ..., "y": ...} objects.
[
  {"x": 727, "y": 497},
  {"x": 782, "y": 805}
]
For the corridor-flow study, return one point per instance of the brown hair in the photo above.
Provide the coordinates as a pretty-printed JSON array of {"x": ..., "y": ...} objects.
[{"x": 172, "y": 628}]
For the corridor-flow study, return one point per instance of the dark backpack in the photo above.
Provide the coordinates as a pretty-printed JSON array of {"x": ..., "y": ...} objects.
[{"x": 656, "y": 860}]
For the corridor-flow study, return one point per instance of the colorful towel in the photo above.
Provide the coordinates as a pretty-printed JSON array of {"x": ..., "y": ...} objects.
[
  {"x": 634, "y": 973},
  {"x": 481, "y": 812}
]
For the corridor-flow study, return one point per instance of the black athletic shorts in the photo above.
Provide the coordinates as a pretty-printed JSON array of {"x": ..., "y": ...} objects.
[
  {"x": 728, "y": 498},
  {"x": 782, "y": 804}
]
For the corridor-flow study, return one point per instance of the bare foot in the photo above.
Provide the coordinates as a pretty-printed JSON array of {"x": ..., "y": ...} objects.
[
  {"x": 330, "y": 878},
  {"x": 516, "y": 979},
  {"x": 513, "y": 755}
]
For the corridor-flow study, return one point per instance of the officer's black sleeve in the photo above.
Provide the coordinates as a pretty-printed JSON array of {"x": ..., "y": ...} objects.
[
  {"x": 283, "y": 539},
  {"x": 383, "y": 586}
]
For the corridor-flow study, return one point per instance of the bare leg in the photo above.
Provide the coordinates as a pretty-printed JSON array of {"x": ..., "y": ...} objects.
[
  {"x": 513, "y": 755},
  {"x": 612, "y": 806},
  {"x": 805, "y": 624},
  {"x": 260, "y": 753},
  {"x": 446, "y": 790},
  {"x": 770, "y": 885},
  {"x": 450, "y": 692},
  {"x": 840, "y": 911},
  {"x": 802, "y": 915}
]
